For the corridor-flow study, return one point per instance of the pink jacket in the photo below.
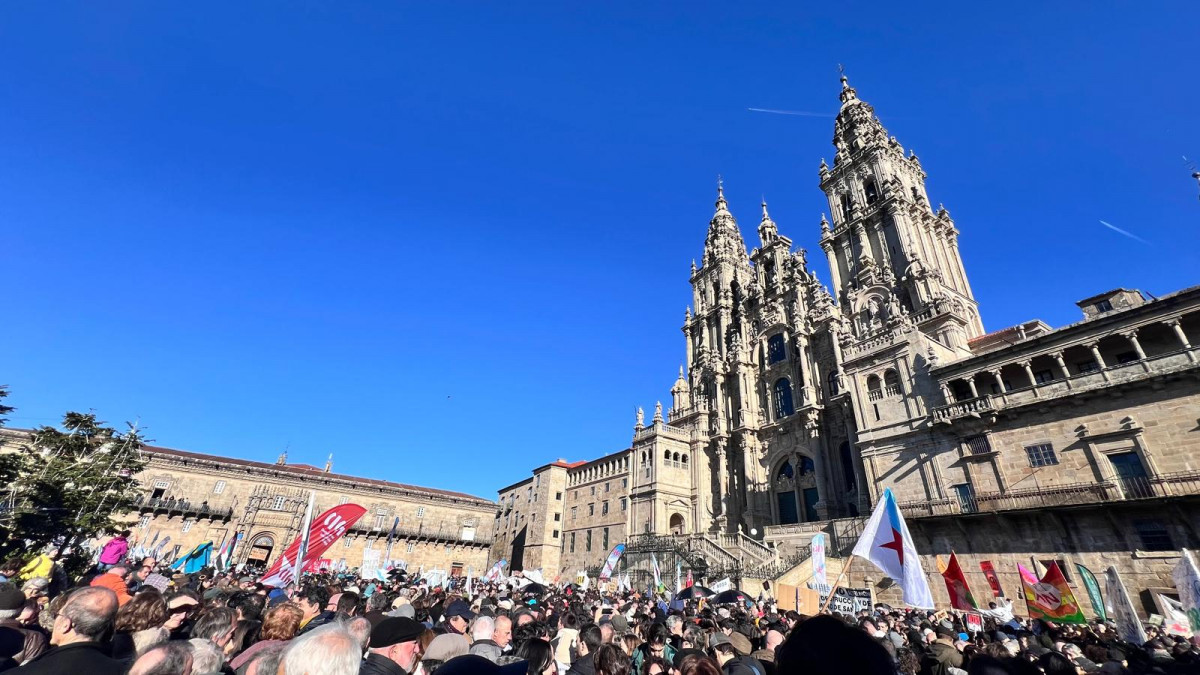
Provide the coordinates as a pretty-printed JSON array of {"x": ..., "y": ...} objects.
[{"x": 114, "y": 550}]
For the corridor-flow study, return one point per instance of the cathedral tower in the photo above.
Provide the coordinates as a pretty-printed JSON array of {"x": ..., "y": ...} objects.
[{"x": 892, "y": 257}]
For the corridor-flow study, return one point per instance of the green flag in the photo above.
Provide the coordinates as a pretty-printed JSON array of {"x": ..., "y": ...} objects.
[{"x": 1093, "y": 590}]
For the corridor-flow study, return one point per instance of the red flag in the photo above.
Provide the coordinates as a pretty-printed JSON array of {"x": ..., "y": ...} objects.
[
  {"x": 956, "y": 586},
  {"x": 325, "y": 529},
  {"x": 993, "y": 580},
  {"x": 689, "y": 580}
]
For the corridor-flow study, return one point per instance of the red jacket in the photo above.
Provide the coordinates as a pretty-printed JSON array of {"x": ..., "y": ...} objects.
[{"x": 115, "y": 584}]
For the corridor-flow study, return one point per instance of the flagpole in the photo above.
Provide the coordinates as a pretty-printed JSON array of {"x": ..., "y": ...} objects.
[
  {"x": 301, "y": 552},
  {"x": 837, "y": 582}
]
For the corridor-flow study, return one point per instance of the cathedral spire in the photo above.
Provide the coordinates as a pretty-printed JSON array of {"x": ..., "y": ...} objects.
[
  {"x": 767, "y": 231},
  {"x": 724, "y": 241}
]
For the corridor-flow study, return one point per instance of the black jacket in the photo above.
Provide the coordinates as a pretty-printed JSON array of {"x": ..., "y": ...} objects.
[
  {"x": 743, "y": 665},
  {"x": 380, "y": 665},
  {"x": 318, "y": 621},
  {"x": 584, "y": 665},
  {"x": 79, "y": 657}
]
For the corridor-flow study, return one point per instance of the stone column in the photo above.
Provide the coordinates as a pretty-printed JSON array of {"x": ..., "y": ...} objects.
[
  {"x": 1028, "y": 366},
  {"x": 1137, "y": 346},
  {"x": 971, "y": 384},
  {"x": 947, "y": 397},
  {"x": 1182, "y": 336},
  {"x": 1062, "y": 365},
  {"x": 1099, "y": 358},
  {"x": 999, "y": 380}
]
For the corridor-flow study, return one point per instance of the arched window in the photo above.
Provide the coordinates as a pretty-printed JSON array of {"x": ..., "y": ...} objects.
[
  {"x": 806, "y": 466},
  {"x": 776, "y": 349},
  {"x": 783, "y": 398},
  {"x": 874, "y": 388},
  {"x": 871, "y": 191},
  {"x": 667, "y": 455},
  {"x": 769, "y": 273},
  {"x": 684, "y": 459},
  {"x": 891, "y": 383},
  {"x": 675, "y": 458},
  {"x": 846, "y": 206},
  {"x": 644, "y": 457},
  {"x": 785, "y": 471}
]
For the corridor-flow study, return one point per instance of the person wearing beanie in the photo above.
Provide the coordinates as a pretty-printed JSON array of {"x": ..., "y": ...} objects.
[
  {"x": 394, "y": 648},
  {"x": 12, "y": 601}
]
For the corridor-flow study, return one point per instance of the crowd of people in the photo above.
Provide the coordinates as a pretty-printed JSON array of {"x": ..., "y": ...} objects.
[{"x": 142, "y": 619}]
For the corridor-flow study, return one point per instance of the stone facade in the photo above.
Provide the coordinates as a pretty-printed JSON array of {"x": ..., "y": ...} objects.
[
  {"x": 799, "y": 404},
  {"x": 193, "y": 498}
]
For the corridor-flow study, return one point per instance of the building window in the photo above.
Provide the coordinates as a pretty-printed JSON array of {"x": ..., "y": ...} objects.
[
  {"x": 1043, "y": 376},
  {"x": 572, "y": 542},
  {"x": 574, "y": 512},
  {"x": 380, "y": 518},
  {"x": 1154, "y": 536},
  {"x": 978, "y": 445},
  {"x": 162, "y": 484},
  {"x": 557, "y": 517},
  {"x": 409, "y": 547},
  {"x": 278, "y": 505},
  {"x": 1088, "y": 366},
  {"x": 592, "y": 509},
  {"x": 624, "y": 482},
  {"x": 624, "y": 504},
  {"x": 1041, "y": 455},
  {"x": 783, "y": 398},
  {"x": 533, "y": 518},
  {"x": 593, "y": 490},
  {"x": 605, "y": 547},
  {"x": 346, "y": 542},
  {"x": 219, "y": 487},
  {"x": 1127, "y": 357},
  {"x": 556, "y": 534},
  {"x": 606, "y": 485},
  {"x": 1104, "y": 306},
  {"x": 776, "y": 349},
  {"x": 891, "y": 383},
  {"x": 588, "y": 545},
  {"x": 420, "y": 511},
  {"x": 144, "y": 521},
  {"x": 558, "y": 496},
  {"x": 343, "y": 500},
  {"x": 871, "y": 191},
  {"x": 604, "y": 511},
  {"x": 187, "y": 525}
]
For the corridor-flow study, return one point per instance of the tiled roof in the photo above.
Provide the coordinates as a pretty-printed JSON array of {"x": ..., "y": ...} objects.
[{"x": 309, "y": 471}]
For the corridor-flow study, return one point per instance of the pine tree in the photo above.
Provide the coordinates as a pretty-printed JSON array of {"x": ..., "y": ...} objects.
[{"x": 68, "y": 486}]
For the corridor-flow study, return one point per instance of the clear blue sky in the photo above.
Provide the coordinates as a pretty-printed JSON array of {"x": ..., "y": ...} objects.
[{"x": 450, "y": 242}]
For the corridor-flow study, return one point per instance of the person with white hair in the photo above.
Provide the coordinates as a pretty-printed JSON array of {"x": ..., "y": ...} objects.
[
  {"x": 207, "y": 658},
  {"x": 325, "y": 650},
  {"x": 482, "y": 632}
]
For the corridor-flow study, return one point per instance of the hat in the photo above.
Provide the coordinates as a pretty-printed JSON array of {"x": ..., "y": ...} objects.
[
  {"x": 741, "y": 643},
  {"x": 393, "y": 631},
  {"x": 717, "y": 639},
  {"x": 399, "y": 601},
  {"x": 156, "y": 581},
  {"x": 447, "y": 646},
  {"x": 246, "y": 580},
  {"x": 11, "y": 597},
  {"x": 620, "y": 623},
  {"x": 459, "y": 608},
  {"x": 474, "y": 664}
]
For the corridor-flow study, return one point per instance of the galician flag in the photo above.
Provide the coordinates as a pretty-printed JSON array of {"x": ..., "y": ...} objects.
[{"x": 885, "y": 542}]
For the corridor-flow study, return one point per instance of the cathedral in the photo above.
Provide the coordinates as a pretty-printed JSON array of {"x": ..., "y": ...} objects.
[{"x": 800, "y": 403}]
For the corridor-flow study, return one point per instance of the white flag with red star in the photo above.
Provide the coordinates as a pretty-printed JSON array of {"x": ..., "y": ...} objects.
[{"x": 885, "y": 542}]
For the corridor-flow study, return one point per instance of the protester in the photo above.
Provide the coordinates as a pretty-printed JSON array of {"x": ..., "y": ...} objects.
[
  {"x": 394, "y": 648},
  {"x": 114, "y": 551},
  {"x": 85, "y": 618},
  {"x": 12, "y": 604},
  {"x": 139, "y": 625},
  {"x": 114, "y": 580}
]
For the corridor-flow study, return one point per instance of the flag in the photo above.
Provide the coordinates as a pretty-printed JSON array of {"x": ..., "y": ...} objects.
[
  {"x": 956, "y": 586},
  {"x": 302, "y": 552},
  {"x": 227, "y": 561},
  {"x": 1120, "y": 608},
  {"x": 1027, "y": 576},
  {"x": 678, "y": 574},
  {"x": 654, "y": 568},
  {"x": 195, "y": 560},
  {"x": 887, "y": 544},
  {"x": 321, "y": 533},
  {"x": 1175, "y": 621},
  {"x": 688, "y": 583},
  {"x": 157, "y": 552},
  {"x": 1187, "y": 582},
  {"x": 494, "y": 573},
  {"x": 1093, "y": 590},
  {"x": 587, "y": 582},
  {"x": 1051, "y": 598},
  {"x": 818, "y": 563},
  {"x": 611, "y": 563},
  {"x": 993, "y": 580}
]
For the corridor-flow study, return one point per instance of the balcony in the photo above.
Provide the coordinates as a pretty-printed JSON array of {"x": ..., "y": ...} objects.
[
  {"x": 183, "y": 507},
  {"x": 439, "y": 534},
  {"x": 971, "y": 407},
  {"x": 1184, "y": 483}
]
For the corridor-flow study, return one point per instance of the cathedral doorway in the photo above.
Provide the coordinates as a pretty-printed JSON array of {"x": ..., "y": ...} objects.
[
  {"x": 260, "y": 549},
  {"x": 676, "y": 523},
  {"x": 796, "y": 495}
]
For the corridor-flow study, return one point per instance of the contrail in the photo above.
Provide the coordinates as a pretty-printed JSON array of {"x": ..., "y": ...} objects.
[
  {"x": 1118, "y": 230},
  {"x": 799, "y": 113}
]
